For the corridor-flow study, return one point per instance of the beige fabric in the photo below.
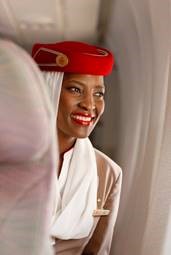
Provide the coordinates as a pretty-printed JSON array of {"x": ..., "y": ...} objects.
[
  {"x": 27, "y": 155},
  {"x": 99, "y": 240}
]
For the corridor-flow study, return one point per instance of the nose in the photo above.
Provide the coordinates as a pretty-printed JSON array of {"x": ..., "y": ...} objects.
[{"x": 87, "y": 103}]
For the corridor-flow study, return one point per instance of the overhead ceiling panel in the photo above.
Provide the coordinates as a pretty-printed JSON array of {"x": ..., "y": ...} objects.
[
  {"x": 29, "y": 21},
  {"x": 7, "y": 23},
  {"x": 81, "y": 19},
  {"x": 38, "y": 20}
]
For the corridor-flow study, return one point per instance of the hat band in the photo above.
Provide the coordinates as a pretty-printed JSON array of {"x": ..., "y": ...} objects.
[
  {"x": 103, "y": 53},
  {"x": 61, "y": 58}
]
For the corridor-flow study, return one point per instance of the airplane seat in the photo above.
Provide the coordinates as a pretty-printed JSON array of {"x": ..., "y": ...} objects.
[
  {"x": 24, "y": 115},
  {"x": 27, "y": 155}
]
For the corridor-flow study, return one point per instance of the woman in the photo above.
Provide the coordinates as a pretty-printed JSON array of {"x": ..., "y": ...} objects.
[{"x": 89, "y": 183}]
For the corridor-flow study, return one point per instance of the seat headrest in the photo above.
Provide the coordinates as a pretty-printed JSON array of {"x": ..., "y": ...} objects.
[{"x": 26, "y": 117}]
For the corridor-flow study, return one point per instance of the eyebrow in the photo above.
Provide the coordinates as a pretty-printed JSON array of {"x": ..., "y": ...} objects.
[{"x": 83, "y": 83}]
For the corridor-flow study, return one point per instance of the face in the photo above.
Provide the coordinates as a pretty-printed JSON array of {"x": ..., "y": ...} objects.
[{"x": 81, "y": 104}]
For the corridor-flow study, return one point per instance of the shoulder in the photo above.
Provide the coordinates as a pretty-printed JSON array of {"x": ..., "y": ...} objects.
[{"x": 107, "y": 167}]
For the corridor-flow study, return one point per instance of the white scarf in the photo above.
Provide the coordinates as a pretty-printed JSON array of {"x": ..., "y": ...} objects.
[
  {"x": 54, "y": 81},
  {"x": 75, "y": 192}
]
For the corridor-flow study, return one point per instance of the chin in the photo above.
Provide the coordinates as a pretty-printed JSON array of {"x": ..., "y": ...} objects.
[{"x": 82, "y": 135}]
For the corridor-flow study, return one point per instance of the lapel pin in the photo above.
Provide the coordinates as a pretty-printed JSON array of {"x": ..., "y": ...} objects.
[{"x": 101, "y": 212}]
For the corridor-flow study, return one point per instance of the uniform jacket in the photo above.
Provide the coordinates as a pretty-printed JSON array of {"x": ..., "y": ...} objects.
[{"x": 99, "y": 240}]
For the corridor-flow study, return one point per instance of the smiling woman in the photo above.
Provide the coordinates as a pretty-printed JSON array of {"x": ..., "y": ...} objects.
[
  {"x": 88, "y": 184},
  {"x": 81, "y": 104}
]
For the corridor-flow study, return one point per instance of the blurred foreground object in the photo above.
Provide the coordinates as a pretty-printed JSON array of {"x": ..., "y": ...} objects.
[{"x": 27, "y": 155}]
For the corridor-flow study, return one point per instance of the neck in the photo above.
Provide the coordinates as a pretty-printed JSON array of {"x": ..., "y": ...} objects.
[{"x": 65, "y": 143}]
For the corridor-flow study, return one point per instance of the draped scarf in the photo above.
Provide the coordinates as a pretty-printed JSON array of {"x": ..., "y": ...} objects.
[{"x": 77, "y": 193}]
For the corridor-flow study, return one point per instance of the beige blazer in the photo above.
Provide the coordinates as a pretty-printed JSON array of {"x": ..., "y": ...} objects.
[{"x": 99, "y": 240}]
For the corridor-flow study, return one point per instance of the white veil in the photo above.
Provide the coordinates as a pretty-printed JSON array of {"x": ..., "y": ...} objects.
[
  {"x": 28, "y": 156},
  {"x": 54, "y": 82}
]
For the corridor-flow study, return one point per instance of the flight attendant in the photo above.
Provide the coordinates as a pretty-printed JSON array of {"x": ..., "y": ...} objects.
[{"x": 88, "y": 183}]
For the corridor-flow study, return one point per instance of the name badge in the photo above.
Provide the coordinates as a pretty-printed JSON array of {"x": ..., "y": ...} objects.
[{"x": 101, "y": 212}]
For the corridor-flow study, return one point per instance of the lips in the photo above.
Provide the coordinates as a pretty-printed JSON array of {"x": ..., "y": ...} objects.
[{"x": 82, "y": 118}]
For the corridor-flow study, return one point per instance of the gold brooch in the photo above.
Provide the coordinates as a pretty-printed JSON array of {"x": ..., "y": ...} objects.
[
  {"x": 100, "y": 212},
  {"x": 62, "y": 60}
]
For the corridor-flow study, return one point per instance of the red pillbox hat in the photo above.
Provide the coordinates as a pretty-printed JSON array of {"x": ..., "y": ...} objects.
[{"x": 73, "y": 57}]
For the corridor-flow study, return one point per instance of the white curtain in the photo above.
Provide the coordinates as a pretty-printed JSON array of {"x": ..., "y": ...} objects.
[{"x": 140, "y": 36}]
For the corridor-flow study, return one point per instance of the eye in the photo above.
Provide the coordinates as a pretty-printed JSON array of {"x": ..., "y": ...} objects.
[
  {"x": 74, "y": 89},
  {"x": 99, "y": 94}
]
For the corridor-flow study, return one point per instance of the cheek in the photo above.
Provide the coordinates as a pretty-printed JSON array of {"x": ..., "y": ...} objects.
[
  {"x": 62, "y": 111},
  {"x": 64, "y": 104},
  {"x": 101, "y": 107}
]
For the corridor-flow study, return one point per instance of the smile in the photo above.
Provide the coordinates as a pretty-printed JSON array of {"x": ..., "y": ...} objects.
[{"x": 82, "y": 119}]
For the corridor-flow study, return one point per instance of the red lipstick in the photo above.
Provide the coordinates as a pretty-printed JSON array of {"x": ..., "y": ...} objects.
[{"x": 83, "y": 119}]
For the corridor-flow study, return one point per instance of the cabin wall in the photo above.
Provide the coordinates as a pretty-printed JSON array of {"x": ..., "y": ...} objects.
[{"x": 139, "y": 35}]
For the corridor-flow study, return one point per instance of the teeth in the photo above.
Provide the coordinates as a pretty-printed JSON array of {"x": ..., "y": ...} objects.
[{"x": 83, "y": 118}]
